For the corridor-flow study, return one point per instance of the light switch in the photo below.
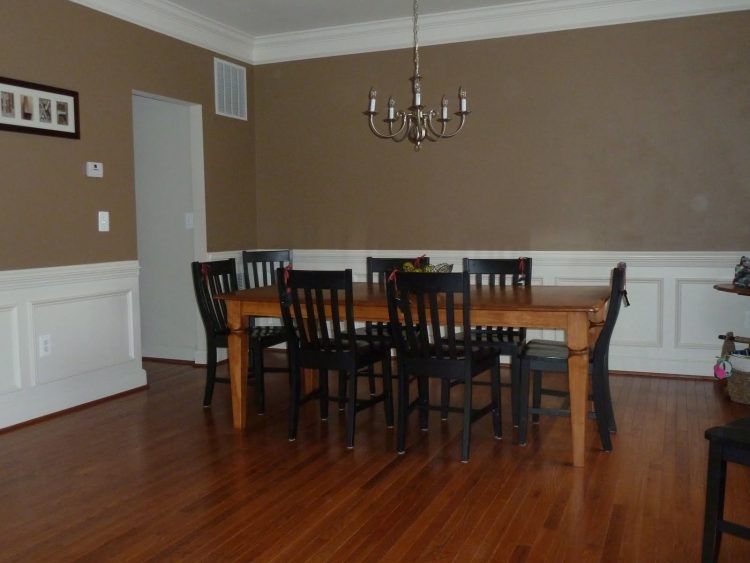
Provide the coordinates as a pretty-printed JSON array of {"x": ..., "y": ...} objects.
[
  {"x": 188, "y": 221},
  {"x": 94, "y": 170},
  {"x": 103, "y": 221}
]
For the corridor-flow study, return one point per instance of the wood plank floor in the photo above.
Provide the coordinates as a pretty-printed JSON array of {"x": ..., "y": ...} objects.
[{"x": 153, "y": 476}]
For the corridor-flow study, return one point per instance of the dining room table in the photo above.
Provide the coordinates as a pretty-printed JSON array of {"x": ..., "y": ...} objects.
[{"x": 577, "y": 310}]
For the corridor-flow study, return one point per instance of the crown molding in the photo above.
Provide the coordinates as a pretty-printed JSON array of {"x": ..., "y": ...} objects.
[
  {"x": 170, "y": 19},
  {"x": 521, "y": 18}
]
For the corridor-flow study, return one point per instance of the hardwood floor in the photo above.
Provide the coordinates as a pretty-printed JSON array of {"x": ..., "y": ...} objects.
[{"x": 153, "y": 476}]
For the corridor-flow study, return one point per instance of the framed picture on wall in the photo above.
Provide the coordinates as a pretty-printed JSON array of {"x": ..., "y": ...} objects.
[{"x": 27, "y": 107}]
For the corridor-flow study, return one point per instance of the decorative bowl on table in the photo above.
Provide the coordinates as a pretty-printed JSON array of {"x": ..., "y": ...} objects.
[{"x": 418, "y": 265}]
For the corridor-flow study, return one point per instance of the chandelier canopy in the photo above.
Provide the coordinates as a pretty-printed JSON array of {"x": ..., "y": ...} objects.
[{"x": 418, "y": 122}]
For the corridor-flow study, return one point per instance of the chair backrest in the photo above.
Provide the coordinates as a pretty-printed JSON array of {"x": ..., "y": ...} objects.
[
  {"x": 378, "y": 269},
  {"x": 601, "y": 347},
  {"x": 311, "y": 302},
  {"x": 259, "y": 266},
  {"x": 423, "y": 310},
  {"x": 499, "y": 271},
  {"x": 210, "y": 279}
]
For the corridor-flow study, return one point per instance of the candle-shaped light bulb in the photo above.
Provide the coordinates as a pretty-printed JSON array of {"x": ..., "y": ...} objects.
[
  {"x": 444, "y": 108},
  {"x": 391, "y": 108},
  {"x": 373, "y": 93},
  {"x": 462, "y": 99}
]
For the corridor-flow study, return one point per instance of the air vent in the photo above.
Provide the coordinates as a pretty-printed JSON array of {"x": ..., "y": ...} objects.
[{"x": 230, "y": 90}]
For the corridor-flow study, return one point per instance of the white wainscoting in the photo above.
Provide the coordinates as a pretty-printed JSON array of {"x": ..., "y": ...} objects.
[
  {"x": 675, "y": 317},
  {"x": 91, "y": 315}
]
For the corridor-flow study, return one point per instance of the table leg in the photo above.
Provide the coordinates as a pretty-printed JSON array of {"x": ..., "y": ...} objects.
[
  {"x": 237, "y": 345},
  {"x": 578, "y": 368}
]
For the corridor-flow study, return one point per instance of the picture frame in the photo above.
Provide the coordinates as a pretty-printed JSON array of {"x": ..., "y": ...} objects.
[{"x": 27, "y": 107}]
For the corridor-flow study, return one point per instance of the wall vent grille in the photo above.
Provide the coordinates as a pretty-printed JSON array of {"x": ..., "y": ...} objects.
[{"x": 230, "y": 89}]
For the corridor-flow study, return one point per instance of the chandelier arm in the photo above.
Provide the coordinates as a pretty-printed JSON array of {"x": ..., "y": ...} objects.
[
  {"x": 442, "y": 134},
  {"x": 391, "y": 134}
]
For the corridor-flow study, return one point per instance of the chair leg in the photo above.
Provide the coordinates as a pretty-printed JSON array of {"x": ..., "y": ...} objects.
[
  {"x": 210, "y": 375},
  {"x": 423, "y": 385},
  {"x": 351, "y": 409},
  {"x": 496, "y": 402},
  {"x": 445, "y": 398},
  {"x": 371, "y": 379},
  {"x": 602, "y": 421},
  {"x": 608, "y": 398},
  {"x": 257, "y": 361},
  {"x": 523, "y": 403},
  {"x": 388, "y": 391},
  {"x": 403, "y": 410},
  {"x": 536, "y": 398},
  {"x": 294, "y": 401},
  {"x": 715, "y": 484},
  {"x": 323, "y": 393},
  {"x": 466, "y": 437},
  {"x": 342, "y": 390},
  {"x": 515, "y": 374}
]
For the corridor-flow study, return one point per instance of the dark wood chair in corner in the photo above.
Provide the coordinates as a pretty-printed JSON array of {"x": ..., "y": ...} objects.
[
  {"x": 423, "y": 309},
  {"x": 318, "y": 312},
  {"x": 259, "y": 268},
  {"x": 540, "y": 356},
  {"x": 728, "y": 443},
  {"x": 210, "y": 279},
  {"x": 491, "y": 273}
]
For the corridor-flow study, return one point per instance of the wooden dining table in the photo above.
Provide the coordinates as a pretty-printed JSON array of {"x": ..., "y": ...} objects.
[{"x": 578, "y": 310}]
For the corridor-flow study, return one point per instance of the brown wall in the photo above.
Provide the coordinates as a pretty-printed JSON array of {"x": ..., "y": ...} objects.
[
  {"x": 631, "y": 137},
  {"x": 48, "y": 207}
]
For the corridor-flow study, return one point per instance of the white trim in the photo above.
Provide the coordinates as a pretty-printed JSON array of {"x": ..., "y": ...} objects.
[
  {"x": 520, "y": 18},
  {"x": 58, "y": 275},
  {"x": 101, "y": 360},
  {"x": 170, "y": 19}
]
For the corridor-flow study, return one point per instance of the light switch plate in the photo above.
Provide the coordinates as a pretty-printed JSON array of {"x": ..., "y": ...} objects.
[
  {"x": 94, "y": 170},
  {"x": 103, "y": 221}
]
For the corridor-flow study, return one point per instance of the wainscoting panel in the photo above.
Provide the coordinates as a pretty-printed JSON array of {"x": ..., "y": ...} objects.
[
  {"x": 10, "y": 371},
  {"x": 675, "y": 317},
  {"x": 89, "y": 316}
]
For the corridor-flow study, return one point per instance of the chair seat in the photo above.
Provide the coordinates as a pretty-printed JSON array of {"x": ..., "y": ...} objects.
[
  {"x": 268, "y": 335},
  {"x": 547, "y": 350},
  {"x": 736, "y": 433},
  {"x": 498, "y": 336}
]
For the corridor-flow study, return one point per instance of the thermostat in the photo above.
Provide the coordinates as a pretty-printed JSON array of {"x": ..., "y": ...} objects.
[{"x": 94, "y": 170}]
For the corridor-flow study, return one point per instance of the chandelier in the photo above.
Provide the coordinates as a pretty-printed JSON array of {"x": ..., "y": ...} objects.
[{"x": 418, "y": 122}]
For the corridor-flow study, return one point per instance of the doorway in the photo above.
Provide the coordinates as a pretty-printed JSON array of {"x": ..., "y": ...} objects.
[{"x": 171, "y": 222}]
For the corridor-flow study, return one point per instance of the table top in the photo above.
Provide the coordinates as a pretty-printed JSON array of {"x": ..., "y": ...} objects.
[
  {"x": 731, "y": 288},
  {"x": 549, "y": 298}
]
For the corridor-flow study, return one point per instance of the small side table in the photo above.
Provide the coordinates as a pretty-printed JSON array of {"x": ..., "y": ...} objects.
[{"x": 731, "y": 288}]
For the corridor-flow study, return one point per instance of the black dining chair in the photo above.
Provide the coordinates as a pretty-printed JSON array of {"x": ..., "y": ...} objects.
[
  {"x": 491, "y": 273},
  {"x": 209, "y": 280},
  {"x": 259, "y": 268},
  {"x": 540, "y": 356},
  {"x": 318, "y": 312},
  {"x": 428, "y": 311},
  {"x": 728, "y": 443}
]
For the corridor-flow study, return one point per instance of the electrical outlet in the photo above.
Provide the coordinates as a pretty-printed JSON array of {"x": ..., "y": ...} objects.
[{"x": 45, "y": 345}]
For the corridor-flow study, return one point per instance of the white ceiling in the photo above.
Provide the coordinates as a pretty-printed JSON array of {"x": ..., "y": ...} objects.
[
  {"x": 268, "y": 17},
  {"x": 268, "y": 31}
]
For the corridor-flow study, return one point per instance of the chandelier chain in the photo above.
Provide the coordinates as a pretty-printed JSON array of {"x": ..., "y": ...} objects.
[{"x": 416, "y": 37}]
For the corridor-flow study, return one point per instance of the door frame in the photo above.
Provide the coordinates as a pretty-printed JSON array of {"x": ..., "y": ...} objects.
[{"x": 198, "y": 190}]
